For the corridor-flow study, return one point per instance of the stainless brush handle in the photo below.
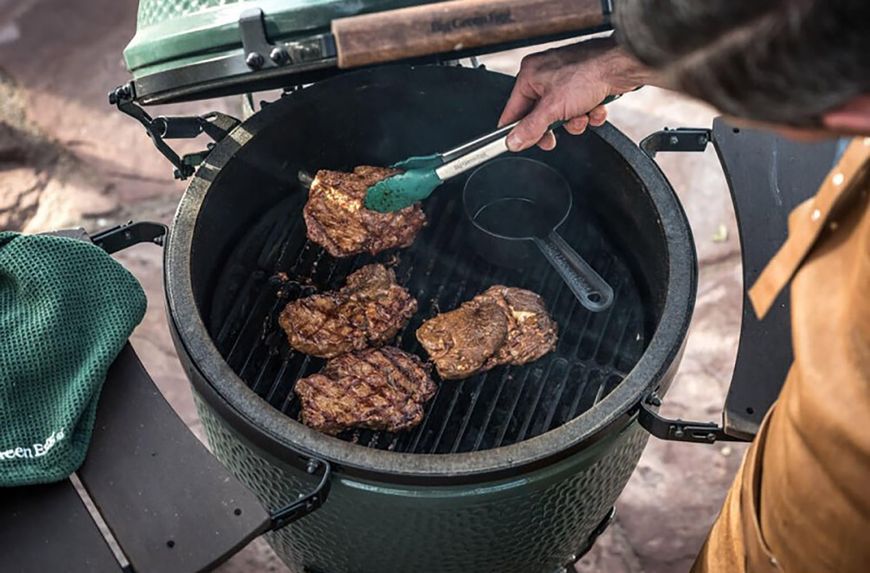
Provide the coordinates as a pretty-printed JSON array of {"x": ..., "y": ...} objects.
[
  {"x": 469, "y": 146},
  {"x": 472, "y": 159},
  {"x": 499, "y": 133},
  {"x": 470, "y": 155}
]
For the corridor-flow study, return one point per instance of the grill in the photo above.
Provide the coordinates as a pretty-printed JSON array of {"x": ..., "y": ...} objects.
[
  {"x": 514, "y": 469},
  {"x": 503, "y": 406}
]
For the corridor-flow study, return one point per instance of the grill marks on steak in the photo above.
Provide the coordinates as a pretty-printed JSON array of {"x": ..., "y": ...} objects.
[
  {"x": 368, "y": 311},
  {"x": 379, "y": 389},
  {"x": 337, "y": 219},
  {"x": 502, "y": 325}
]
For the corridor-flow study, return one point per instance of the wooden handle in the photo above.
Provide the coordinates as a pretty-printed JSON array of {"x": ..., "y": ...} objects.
[{"x": 444, "y": 27}]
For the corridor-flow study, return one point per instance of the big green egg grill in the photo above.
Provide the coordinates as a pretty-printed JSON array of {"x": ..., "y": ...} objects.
[{"x": 513, "y": 470}]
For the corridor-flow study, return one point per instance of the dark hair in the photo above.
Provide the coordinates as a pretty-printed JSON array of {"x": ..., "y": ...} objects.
[{"x": 780, "y": 61}]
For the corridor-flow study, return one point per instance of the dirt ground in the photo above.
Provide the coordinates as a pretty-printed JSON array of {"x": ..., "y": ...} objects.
[{"x": 68, "y": 159}]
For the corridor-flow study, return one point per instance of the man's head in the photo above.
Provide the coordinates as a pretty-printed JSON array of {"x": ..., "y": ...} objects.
[{"x": 796, "y": 63}]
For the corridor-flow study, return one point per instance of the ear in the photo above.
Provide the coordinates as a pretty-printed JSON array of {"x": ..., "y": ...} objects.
[{"x": 853, "y": 117}]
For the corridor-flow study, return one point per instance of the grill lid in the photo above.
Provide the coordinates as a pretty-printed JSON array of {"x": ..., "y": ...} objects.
[{"x": 193, "y": 49}]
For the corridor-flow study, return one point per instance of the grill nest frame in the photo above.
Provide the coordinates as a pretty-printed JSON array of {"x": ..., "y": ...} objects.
[{"x": 289, "y": 440}]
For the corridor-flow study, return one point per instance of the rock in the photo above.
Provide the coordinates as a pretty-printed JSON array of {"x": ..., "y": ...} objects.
[
  {"x": 19, "y": 194},
  {"x": 65, "y": 202}
]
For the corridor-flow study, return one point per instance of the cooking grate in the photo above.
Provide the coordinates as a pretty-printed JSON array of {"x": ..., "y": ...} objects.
[{"x": 441, "y": 270}]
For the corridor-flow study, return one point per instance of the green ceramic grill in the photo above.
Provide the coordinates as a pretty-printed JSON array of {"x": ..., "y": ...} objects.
[{"x": 515, "y": 470}]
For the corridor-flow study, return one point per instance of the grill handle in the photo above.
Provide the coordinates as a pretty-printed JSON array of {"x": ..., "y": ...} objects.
[
  {"x": 306, "y": 503},
  {"x": 444, "y": 27}
]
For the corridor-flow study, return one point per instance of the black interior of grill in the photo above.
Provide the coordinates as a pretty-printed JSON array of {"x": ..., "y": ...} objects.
[
  {"x": 441, "y": 269},
  {"x": 250, "y": 229}
]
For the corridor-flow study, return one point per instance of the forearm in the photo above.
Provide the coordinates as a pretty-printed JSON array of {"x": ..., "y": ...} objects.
[{"x": 614, "y": 64}]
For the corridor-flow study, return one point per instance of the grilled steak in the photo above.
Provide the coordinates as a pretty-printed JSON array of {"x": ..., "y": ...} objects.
[
  {"x": 337, "y": 219},
  {"x": 502, "y": 325},
  {"x": 368, "y": 311},
  {"x": 461, "y": 342},
  {"x": 379, "y": 388}
]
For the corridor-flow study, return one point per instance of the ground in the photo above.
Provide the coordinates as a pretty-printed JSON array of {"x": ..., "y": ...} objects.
[{"x": 68, "y": 159}]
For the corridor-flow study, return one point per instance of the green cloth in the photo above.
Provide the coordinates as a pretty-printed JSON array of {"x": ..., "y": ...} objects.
[{"x": 66, "y": 310}]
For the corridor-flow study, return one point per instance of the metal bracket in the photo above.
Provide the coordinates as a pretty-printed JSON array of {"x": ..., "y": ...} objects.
[
  {"x": 216, "y": 125},
  {"x": 306, "y": 503},
  {"x": 679, "y": 430},
  {"x": 680, "y": 139},
  {"x": 590, "y": 541},
  {"x": 122, "y": 236},
  {"x": 261, "y": 54}
]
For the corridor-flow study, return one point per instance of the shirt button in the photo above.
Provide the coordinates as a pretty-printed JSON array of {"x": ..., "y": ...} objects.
[
  {"x": 838, "y": 179},
  {"x": 816, "y": 214}
]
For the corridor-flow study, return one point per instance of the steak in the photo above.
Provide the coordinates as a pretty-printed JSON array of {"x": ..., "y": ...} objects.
[
  {"x": 368, "y": 311},
  {"x": 378, "y": 388},
  {"x": 502, "y": 325},
  {"x": 337, "y": 219}
]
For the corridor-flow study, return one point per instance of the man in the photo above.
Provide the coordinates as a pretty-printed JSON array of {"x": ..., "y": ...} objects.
[{"x": 801, "y": 500}]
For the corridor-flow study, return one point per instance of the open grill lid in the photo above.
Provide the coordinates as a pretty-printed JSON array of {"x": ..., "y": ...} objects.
[{"x": 195, "y": 49}]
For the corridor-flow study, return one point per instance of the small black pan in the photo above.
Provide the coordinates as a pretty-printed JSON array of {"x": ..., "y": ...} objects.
[{"x": 524, "y": 201}]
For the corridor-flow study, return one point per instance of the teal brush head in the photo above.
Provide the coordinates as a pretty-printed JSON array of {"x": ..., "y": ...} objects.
[{"x": 401, "y": 190}]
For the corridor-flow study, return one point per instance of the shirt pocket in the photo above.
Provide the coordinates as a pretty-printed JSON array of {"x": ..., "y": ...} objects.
[{"x": 759, "y": 557}]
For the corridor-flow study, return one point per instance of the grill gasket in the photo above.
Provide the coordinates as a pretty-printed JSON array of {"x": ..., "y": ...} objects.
[{"x": 466, "y": 415}]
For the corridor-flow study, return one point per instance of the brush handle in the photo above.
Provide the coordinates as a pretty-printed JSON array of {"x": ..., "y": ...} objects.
[
  {"x": 470, "y": 155},
  {"x": 470, "y": 146}
]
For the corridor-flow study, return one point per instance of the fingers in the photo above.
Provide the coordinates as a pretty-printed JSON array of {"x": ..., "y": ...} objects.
[
  {"x": 548, "y": 142},
  {"x": 518, "y": 105},
  {"x": 577, "y": 125},
  {"x": 532, "y": 128},
  {"x": 597, "y": 116}
]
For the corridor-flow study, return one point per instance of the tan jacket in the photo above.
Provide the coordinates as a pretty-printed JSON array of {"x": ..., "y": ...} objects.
[{"x": 801, "y": 500}]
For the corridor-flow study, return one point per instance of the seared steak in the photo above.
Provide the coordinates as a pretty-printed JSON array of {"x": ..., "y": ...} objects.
[
  {"x": 337, "y": 219},
  {"x": 502, "y": 325},
  {"x": 461, "y": 342},
  {"x": 368, "y": 311},
  {"x": 379, "y": 388}
]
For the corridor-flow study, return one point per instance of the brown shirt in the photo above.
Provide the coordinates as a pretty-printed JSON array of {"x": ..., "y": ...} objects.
[{"x": 801, "y": 500}]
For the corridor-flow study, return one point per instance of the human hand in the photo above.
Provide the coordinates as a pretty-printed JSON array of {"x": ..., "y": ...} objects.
[{"x": 567, "y": 83}]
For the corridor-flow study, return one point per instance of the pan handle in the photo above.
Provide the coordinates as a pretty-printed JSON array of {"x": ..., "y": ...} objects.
[{"x": 445, "y": 27}]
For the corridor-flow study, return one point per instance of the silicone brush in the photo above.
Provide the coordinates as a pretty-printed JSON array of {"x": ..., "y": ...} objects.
[{"x": 423, "y": 174}]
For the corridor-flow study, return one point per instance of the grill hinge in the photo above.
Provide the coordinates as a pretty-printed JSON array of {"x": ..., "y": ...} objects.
[
  {"x": 679, "y": 430},
  {"x": 260, "y": 53},
  {"x": 679, "y": 139},
  {"x": 216, "y": 125}
]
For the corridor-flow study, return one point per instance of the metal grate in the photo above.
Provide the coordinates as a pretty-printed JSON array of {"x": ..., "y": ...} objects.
[{"x": 441, "y": 270}]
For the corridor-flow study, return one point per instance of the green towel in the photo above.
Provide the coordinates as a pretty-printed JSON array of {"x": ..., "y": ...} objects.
[{"x": 66, "y": 310}]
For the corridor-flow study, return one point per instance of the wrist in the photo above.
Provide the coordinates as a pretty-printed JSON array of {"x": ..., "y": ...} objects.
[{"x": 622, "y": 72}]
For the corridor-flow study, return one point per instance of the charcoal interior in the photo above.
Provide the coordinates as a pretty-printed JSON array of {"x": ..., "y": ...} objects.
[{"x": 254, "y": 230}]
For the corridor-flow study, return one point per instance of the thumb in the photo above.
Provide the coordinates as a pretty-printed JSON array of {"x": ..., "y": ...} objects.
[{"x": 532, "y": 128}]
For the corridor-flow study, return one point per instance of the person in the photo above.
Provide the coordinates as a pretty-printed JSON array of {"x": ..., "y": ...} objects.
[{"x": 801, "y": 499}]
